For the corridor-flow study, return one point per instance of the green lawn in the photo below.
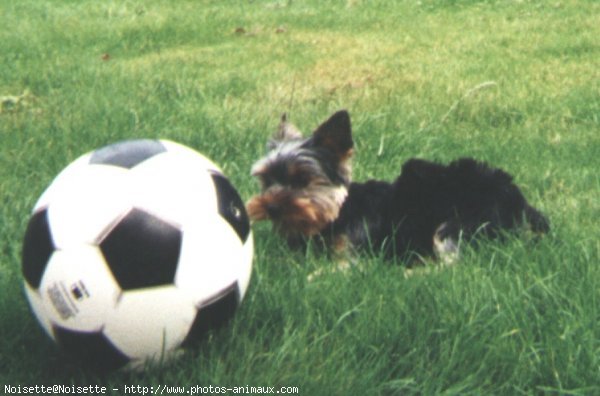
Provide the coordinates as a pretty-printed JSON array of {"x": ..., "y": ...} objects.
[{"x": 514, "y": 82}]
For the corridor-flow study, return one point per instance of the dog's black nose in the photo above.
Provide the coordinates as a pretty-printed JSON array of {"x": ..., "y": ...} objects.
[{"x": 273, "y": 210}]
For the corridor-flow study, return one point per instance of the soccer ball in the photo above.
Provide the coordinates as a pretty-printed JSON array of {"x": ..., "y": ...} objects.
[{"x": 135, "y": 250}]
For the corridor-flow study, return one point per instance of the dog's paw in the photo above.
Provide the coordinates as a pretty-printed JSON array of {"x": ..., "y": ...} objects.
[{"x": 446, "y": 241}]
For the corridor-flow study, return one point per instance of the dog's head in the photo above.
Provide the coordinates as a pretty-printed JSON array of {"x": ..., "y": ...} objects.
[{"x": 304, "y": 180}]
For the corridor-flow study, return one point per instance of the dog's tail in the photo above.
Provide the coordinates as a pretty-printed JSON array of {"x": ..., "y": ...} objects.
[{"x": 537, "y": 221}]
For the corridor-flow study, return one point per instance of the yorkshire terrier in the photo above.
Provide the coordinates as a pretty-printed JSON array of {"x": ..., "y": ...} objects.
[{"x": 428, "y": 210}]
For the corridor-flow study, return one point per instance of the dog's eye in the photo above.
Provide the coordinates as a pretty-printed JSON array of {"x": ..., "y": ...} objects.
[
  {"x": 267, "y": 182},
  {"x": 298, "y": 180}
]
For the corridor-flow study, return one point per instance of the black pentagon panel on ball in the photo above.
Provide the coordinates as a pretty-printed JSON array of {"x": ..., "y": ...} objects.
[
  {"x": 128, "y": 153},
  {"x": 231, "y": 207},
  {"x": 142, "y": 250},
  {"x": 37, "y": 248},
  {"x": 91, "y": 349},
  {"x": 214, "y": 314}
]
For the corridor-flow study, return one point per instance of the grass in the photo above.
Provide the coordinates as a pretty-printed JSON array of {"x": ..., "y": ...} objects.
[{"x": 516, "y": 318}]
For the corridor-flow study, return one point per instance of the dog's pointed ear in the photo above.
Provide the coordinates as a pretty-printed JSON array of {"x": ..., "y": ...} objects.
[
  {"x": 335, "y": 134},
  {"x": 286, "y": 131}
]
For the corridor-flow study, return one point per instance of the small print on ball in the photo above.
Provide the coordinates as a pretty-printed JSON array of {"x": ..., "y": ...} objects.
[{"x": 135, "y": 250}]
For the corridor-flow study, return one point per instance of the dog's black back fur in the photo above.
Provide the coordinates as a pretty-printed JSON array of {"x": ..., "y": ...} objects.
[{"x": 460, "y": 200}]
